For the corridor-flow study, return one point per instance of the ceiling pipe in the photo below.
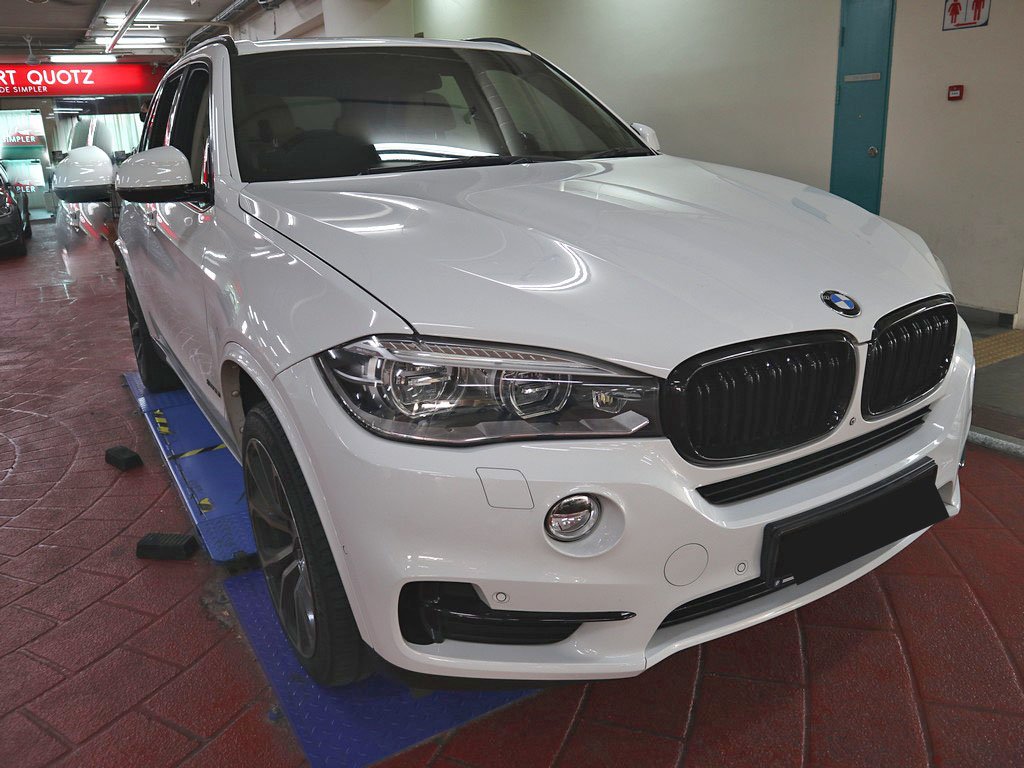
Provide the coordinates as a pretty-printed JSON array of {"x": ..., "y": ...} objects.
[
  {"x": 94, "y": 21},
  {"x": 220, "y": 20},
  {"x": 129, "y": 19}
]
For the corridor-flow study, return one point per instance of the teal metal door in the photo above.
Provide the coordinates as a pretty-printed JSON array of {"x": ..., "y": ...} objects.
[{"x": 862, "y": 100}]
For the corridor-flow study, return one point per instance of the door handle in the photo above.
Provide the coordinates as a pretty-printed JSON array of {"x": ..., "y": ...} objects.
[
  {"x": 872, "y": 151},
  {"x": 149, "y": 218}
]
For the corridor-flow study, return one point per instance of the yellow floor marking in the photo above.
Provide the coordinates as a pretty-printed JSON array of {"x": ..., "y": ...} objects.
[
  {"x": 161, "y": 422},
  {"x": 995, "y": 349}
]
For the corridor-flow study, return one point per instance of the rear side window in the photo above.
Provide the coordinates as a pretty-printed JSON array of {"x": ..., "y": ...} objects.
[{"x": 156, "y": 131}]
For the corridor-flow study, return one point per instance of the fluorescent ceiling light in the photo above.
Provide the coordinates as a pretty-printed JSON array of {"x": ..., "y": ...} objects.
[
  {"x": 81, "y": 58},
  {"x": 134, "y": 42},
  {"x": 145, "y": 18}
]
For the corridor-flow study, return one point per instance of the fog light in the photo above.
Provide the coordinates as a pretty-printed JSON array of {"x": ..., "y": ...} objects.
[{"x": 573, "y": 517}]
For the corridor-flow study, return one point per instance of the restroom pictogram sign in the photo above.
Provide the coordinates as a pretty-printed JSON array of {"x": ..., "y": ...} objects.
[{"x": 964, "y": 14}]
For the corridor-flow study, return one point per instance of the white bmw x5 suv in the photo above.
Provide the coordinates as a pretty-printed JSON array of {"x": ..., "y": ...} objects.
[{"x": 515, "y": 395}]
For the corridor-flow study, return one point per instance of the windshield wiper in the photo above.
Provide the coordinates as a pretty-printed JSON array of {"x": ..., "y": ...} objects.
[
  {"x": 615, "y": 152},
  {"x": 475, "y": 161}
]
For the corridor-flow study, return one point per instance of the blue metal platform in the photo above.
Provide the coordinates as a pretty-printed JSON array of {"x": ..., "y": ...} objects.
[
  {"x": 347, "y": 727},
  {"x": 208, "y": 477},
  {"x": 360, "y": 724}
]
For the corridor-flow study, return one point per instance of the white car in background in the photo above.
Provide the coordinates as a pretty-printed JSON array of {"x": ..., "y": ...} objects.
[{"x": 515, "y": 395}]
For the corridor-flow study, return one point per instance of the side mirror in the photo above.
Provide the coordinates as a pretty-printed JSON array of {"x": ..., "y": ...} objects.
[
  {"x": 650, "y": 138},
  {"x": 84, "y": 176},
  {"x": 159, "y": 175}
]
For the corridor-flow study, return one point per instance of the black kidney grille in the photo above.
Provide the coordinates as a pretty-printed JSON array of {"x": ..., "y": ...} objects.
[
  {"x": 760, "y": 398},
  {"x": 909, "y": 355}
]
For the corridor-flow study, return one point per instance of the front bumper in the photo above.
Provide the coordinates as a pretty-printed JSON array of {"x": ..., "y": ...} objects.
[{"x": 398, "y": 513}]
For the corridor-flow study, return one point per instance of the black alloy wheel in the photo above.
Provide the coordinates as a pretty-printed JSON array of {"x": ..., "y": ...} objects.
[
  {"x": 280, "y": 549},
  {"x": 295, "y": 556}
]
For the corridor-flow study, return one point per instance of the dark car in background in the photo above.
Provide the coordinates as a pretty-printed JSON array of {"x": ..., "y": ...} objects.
[{"x": 15, "y": 223}]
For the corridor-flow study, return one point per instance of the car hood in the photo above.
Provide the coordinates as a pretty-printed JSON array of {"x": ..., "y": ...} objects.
[{"x": 641, "y": 261}]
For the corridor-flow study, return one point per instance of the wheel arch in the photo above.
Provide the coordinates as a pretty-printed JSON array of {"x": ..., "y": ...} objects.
[{"x": 243, "y": 377}]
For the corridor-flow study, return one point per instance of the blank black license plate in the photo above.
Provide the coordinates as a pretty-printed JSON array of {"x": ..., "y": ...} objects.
[{"x": 811, "y": 543}]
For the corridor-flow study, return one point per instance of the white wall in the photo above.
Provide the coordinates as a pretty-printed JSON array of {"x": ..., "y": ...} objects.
[
  {"x": 368, "y": 18},
  {"x": 752, "y": 83},
  {"x": 329, "y": 18},
  {"x": 744, "y": 82},
  {"x": 293, "y": 18},
  {"x": 954, "y": 171}
]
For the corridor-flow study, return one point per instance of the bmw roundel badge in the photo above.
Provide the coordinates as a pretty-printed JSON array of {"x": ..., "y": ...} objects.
[{"x": 841, "y": 303}]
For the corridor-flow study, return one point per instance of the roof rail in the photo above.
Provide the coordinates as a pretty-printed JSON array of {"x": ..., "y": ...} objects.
[
  {"x": 225, "y": 40},
  {"x": 502, "y": 40}
]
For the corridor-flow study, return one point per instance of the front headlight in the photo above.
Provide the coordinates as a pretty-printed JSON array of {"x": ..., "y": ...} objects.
[{"x": 453, "y": 393}]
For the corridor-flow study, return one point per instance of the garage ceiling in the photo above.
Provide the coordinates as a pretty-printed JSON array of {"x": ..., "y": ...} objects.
[{"x": 62, "y": 26}]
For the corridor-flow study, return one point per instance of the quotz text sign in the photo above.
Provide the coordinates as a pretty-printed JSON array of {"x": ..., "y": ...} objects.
[
  {"x": 57, "y": 80},
  {"x": 37, "y": 80}
]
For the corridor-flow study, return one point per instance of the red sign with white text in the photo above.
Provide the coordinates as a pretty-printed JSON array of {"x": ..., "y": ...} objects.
[
  {"x": 77, "y": 79},
  {"x": 23, "y": 139}
]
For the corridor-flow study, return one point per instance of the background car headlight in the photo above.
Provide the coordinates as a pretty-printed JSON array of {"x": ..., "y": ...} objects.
[{"x": 454, "y": 393}]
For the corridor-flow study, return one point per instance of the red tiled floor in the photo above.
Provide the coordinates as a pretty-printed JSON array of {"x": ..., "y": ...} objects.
[
  {"x": 93, "y": 633},
  {"x": 528, "y": 733},
  {"x": 769, "y": 651},
  {"x": 659, "y": 702},
  {"x": 25, "y": 744},
  {"x": 14, "y": 541},
  {"x": 421, "y": 756},
  {"x": 181, "y": 635},
  {"x": 249, "y": 741},
  {"x": 129, "y": 743},
  {"x": 862, "y": 703},
  {"x": 207, "y": 696},
  {"x": 41, "y": 563},
  {"x": 963, "y": 737},
  {"x": 599, "y": 745},
  {"x": 159, "y": 587},
  {"x": 90, "y": 636},
  {"x": 860, "y": 605},
  {"x": 18, "y": 627},
  {"x": 68, "y": 594},
  {"x": 100, "y": 694},
  {"x": 22, "y": 678},
  {"x": 747, "y": 723},
  {"x": 955, "y": 662},
  {"x": 109, "y": 660}
]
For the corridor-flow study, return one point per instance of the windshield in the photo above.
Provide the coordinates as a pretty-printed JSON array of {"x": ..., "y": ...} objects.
[{"x": 342, "y": 112}]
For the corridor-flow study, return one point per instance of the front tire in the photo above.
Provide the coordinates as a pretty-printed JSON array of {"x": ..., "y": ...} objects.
[
  {"x": 296, "y": 560},
  {"x": 16, "y": 249},
  {"x": 156, "y": 374}
]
